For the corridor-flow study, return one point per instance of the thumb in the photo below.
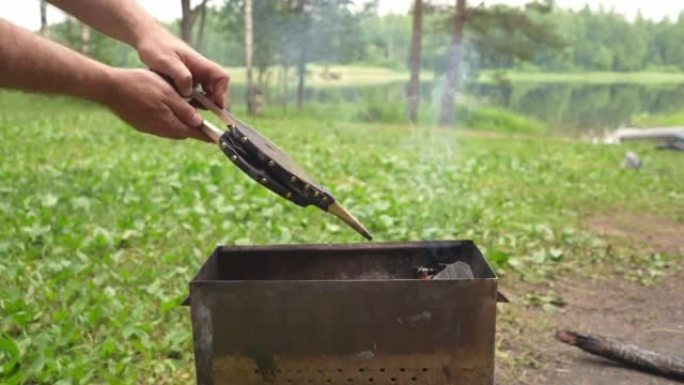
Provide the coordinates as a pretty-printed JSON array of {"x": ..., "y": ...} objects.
[
  {"x": 180, "y": 74},
  {"x": 185, "y": 112}
]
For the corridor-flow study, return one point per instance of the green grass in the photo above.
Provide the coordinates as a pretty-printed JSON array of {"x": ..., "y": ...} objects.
[
  {"x": 588, "y": 77},
  {"x": 377, "y": 110},
  {"x": 343, "y": 76},
  {"x": 665, "y": 120},
  {"x": 494, "y": 119},
  {"x": 102, "y": 227}
]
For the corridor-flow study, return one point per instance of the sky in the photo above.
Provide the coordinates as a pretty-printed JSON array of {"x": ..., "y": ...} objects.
[{"x": 26, "y": 12}]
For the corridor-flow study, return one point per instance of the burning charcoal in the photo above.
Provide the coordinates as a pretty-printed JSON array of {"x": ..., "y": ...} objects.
[
  {"x": 422, "y": 272},
  {"x": 456, "y": 270}
]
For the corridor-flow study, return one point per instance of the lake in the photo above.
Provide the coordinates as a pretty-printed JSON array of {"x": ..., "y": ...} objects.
[
  {"x": 584, "y": 107},
  {"x": 569, "y": 108}
]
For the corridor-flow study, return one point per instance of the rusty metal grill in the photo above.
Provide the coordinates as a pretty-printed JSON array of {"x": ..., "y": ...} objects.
[
  {"x": 343, "y": 314},
  {"x": 346, "y": 373}
]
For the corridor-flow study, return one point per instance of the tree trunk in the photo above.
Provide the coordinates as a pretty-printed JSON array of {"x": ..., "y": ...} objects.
[
  {"x": 85, "y": 39},
  {"x": 199, "y": 44},
  {"x": 43, "y": 19},
  {"x": 390, "y": 48},
  {"x": 451, "y": 82},
  {"x": 285, "y": 81},
  {"x": 301, "y": 75},
  {"x": 186, "y": 21},
  {"x": 70, "y": 31},
  {"x": 263, "y": 80},
  {"x": 261, "y": 77},
  {"x": 413, "y": 92},
  {"x": 188, "y": 18},
  {"x": 249, "y": 40}
]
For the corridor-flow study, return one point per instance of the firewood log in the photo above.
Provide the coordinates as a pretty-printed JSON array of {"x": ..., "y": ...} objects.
[{"x": 627, "y": 354}]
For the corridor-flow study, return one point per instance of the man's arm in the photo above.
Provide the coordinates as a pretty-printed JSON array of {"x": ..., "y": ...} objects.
[
  {"x": 125, "y": 20},
  {"x": 140, "y": 97},
  {"x": 32, "y": 63}
]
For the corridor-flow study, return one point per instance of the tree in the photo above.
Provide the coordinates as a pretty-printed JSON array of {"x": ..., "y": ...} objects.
[
  {"x": 413, "y": 93},
  {"x": 452, "y": 74},
  {"x": 324, "y": 30},
  {"x": 381, "y": 35},
  {"x": 249, "y": 38},
  {"x": 199, "y": 43},
  {"x": 302, "y": 59},
  {"x": 43, "y": 19},
  {"x": 292, "y": 33},
  {"x": 85, "y": 39},
  {"x": 188, "y": 18},
  {"x": 268, "y": 46},
  {"x": 498, "y": 34},
  {"x": 69, "y": 24},
  {"x": 301, "y": 17}
]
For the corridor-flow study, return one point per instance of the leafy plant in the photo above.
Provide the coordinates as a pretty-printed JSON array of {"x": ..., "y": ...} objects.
[{"x": 103, "y": 228}]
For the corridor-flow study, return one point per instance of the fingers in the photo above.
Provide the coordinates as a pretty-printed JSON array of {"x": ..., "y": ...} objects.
[
  {"x": 218, "y": 93},
  {"x": 150, "y": 104},
  {"x": 184, "y": 111},
  {"x": 172, "y": 127},
  {"x": 213, "y": 78},
  {"x": 215, "y": 83},
  {"x": 181, "y": 75},
  {"x": 186, "y": 120},
  {"x": 189, "y": 118}
]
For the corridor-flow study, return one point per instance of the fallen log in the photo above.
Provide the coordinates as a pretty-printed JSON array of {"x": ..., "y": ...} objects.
[
  {"x": 629, "y": 355},
  {"x": 668, "y": 133}
]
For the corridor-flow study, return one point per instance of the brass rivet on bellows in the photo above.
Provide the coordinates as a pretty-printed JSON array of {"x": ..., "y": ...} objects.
[
  {"x": 271, "y": 163},
  {"x": 234, "y": 157},
  {"x": 316, "y": 193},
  {"x": 307, "y": 187},
  {"x": 325, "y": 198},
  {"x": 223, "y": 144},
  {"x": 244, "y": 139},
  {"x": 293, "y": 179},
  {"x": 288, "y": 195},
  {"x": 264, "y": 180}
]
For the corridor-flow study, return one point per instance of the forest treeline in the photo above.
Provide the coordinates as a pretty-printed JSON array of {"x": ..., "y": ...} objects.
[
  {"x": 276, "y": 40},
  {"x": 340, "y": 32}
]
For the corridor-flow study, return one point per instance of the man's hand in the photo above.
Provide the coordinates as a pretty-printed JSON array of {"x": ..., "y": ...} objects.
[
  {"x": 140, "y": 97},
  {"x": 147, "y": 102},
  {"x": 127, "y": 21},
  {"x": 168, "y": 55}
]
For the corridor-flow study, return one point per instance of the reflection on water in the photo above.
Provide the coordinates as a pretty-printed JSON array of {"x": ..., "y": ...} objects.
[
  {"x": 584, "y": 107},
  {"x": 566, "y": 107}
]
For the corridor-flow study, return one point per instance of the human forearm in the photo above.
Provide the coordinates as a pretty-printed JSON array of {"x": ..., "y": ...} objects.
[
  {"x": 140, "y": 97},
  {"x": 161, "y": 52},
  {"x": 32, "y": 63},
  {"x": 124, "y": 20}
]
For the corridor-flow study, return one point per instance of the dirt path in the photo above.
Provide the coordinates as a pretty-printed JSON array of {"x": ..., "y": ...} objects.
[
  {"x": 657, "y": 234},
  {"x": 651, "y": 317}
]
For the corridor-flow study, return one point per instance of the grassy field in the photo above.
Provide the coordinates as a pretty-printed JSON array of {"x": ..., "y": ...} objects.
[
  {"x": 664, "y": 120},
  {"x": 348, "y": 75},
  {"x": 473, "y": 117},
  {"x": 358, "y": 75},
  {"x": 101, "y": 228},
  {"x": 589, "y": 77}
]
